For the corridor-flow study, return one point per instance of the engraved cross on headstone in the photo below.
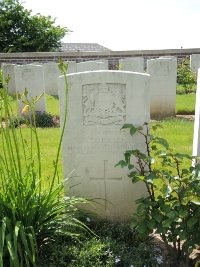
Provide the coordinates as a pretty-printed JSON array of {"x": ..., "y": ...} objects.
[{"x": 104, "y": 179}]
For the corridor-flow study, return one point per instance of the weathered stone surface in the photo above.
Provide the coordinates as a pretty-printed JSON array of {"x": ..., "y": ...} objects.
[
  {"x": 71, "y": 66},
  {"x": 91, "y": 65},
  {"x": 31, "y": 78},
  {"x": 195, "y": 62},
  {"x": 8, "y": 70},
  {"x": 51, "y": 73},
  {"x": 99, "y": 103},
  {"x": 163, "y": 72},
  {"x": 135, "y": 64}
]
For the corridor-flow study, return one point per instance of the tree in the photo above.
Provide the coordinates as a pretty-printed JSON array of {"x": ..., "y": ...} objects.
[{"x": 20, "y": 31}]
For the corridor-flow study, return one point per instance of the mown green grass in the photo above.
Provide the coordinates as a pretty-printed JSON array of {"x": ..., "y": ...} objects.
[
  {"x": 52, "y": 104},
  {"x": 49, "y": 140},
  {"x": 185, "y": 104},
  {"x": 178, "y": 133}
]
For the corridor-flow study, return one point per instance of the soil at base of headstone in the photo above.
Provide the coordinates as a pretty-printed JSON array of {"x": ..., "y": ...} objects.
[{"x": 186, "y": 117}]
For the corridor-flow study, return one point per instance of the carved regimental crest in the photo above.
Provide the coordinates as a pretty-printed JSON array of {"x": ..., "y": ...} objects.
[{"x": 104, "y": 104}]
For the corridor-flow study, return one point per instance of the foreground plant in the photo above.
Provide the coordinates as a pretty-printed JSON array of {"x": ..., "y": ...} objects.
[
  {"x": 172, "y": 208},
  {"x": 30, "y": 211}
]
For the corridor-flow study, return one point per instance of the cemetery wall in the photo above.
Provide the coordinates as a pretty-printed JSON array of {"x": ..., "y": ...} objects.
[{"x": 112, "y": 56}]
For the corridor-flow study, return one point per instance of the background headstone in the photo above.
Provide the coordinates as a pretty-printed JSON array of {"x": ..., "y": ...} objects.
[
  {"x": 9, "y": 69},
  {"x": 135, "y": 64},
  {"x": 195, "y": 62},
  {"x": 51, "y": 73},
  {"x": 196, "y": 136},
  {"x": 163, "y": 72},
  {"x": 91, "y": 65},
  {"x": 99, "y": 104},
  {"x": 71, "y": 66},
  {"x": 31, "y": 77}
]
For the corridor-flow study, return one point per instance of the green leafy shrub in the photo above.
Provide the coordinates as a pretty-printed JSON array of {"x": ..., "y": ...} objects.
[
  {"x": 172, "y": 208},
  {"x": 45, "y": 119},
  {"x": 115, "y": 244},
  {"x": 185, "y": 77},
  {"x": 42, "y": 120},
  {"x": 30, "y": 212}
]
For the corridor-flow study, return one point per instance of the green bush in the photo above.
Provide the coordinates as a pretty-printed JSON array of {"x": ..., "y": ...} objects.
[
  {"x": 115, "y": 244},
  {"x": 172, "y": 208},
  {"x": 42, "y": 120},
  {"x": 45, "y": 120},
  {"x": 185, "y": 77}
]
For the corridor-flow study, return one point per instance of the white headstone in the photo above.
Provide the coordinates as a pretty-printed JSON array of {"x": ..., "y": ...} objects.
[
  {"x": 163, "y": 72},
  {"x": 135, "y": 64},
  {"x": 51, "y": 73},
  {"x": 196, "y": 137},
  {"x": 71, "y": 66},
  {"x": 99, "y": 104},
  {"x": 36, "y": 63},
  {"x": 31, "y": 78},
  {"x": 8, "y": 70},
  {"x": 195, "y": 62},
  {"x": 92, "y": 65}
]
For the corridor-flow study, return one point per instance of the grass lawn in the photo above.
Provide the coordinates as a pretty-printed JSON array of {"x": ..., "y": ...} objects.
[
  {"x": 185, "y": 104},
  {"x": 52, "y": 103},
  {"x": 179, "y": 134},
  {"x": 49, "y": 140}
]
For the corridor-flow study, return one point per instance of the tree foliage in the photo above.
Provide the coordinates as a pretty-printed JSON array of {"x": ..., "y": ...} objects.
[{"x": 20, "y": 31}]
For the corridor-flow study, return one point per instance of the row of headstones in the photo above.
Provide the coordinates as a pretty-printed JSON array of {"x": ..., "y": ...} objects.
[
  {"x": 99, "y": 103},
  {"x": 43, "y": 78}
]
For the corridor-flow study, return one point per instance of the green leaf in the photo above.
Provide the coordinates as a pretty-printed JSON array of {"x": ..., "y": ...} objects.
[
  {"x": 133, "y": 130},
  {"x": 133, "y": 224},
  {"x": 142, "y": 227},
  {"x": 157, "y": 216},
  {"x": 125, "y": 126},
  {"x": 166, "y": 223},
  {"x": 183, "y": 235},
  {"x": 196, "y": 201},
  {"x": 154, "y": 147},
  {"x": 183, "y": 213},
  {"x": 192, "y": 221},
  {"x": 162, "y": 142},
  {"x": 152, "y": 224},
  {"x": 130, "y": 166},
  {"x": 121, "y": 163},
  {"x": 136, "y": 179},
  {"x": 172, "y": 215}
]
